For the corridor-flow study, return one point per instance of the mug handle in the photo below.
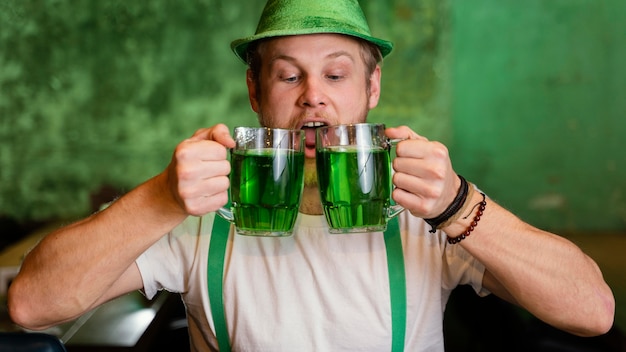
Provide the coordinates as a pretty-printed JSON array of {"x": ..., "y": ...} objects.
[
  {"x": 395, "y": 209},
  {"x": 226, "y": 213}
]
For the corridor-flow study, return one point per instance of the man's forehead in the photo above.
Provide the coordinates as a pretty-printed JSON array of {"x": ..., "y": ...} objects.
[{"x": 326, "y": 44}]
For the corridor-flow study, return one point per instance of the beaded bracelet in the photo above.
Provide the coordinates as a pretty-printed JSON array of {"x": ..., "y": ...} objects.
[
  {"x": 452, "y": 209},
  {"x": 481, "y": 209}
]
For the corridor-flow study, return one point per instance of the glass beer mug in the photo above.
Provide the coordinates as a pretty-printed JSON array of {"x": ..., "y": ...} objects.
[
  {"x": 266, "y": 180},
  {"x": 354, "y": 177}
]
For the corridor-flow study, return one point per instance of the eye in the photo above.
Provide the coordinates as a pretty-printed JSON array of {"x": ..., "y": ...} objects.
[
  {"x": 334, "y": 77},
  {"x": 285, "y": 73},
  {"x": 290, "y": 79}
]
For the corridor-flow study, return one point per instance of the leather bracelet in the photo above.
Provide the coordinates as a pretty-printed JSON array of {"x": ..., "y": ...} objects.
[
  {"x": 452, "y": 209},
  {"x": 466, "y": 204}
]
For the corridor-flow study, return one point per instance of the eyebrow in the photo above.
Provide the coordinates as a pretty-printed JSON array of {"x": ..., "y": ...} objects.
[{"x": 341, "y": 53}]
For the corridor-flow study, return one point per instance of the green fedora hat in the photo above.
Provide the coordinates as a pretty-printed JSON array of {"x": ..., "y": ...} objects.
[{"x": 297, "y": 17}]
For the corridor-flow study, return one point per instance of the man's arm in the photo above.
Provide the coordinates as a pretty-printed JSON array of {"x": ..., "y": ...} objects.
[
  {"x": 76, "y": 268},
  {"x": 542, "y": 272}
]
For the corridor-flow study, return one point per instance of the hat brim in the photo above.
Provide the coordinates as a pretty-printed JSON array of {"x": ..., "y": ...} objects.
[{"x": 240, "y": 46}]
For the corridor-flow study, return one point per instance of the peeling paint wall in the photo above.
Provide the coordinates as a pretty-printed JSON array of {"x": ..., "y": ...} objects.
[{"x": 529, "y": 96}]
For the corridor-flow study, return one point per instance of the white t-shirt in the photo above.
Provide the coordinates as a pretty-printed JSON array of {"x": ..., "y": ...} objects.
[{"x": 312, "y": 291}]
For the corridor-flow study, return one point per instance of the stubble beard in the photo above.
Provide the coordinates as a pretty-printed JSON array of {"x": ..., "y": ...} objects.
[{"x": 310, "y": 173}]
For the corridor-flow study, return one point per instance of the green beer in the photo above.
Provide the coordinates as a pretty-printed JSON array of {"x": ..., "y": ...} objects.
[
  {"x": 355, "y": 184},
  {"x": 266, "y": 186}
]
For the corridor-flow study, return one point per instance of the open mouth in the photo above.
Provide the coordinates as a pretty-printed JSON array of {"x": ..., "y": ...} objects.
[{"x": 309, "y": 130}]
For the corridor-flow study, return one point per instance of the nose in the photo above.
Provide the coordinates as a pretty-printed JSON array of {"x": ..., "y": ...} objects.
[{"x": 312, "y": 95}]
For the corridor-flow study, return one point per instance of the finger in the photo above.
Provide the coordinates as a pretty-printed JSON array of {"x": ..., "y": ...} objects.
[
  {"x": 419, "y": 186},
  {"x": 435, "y": 153},
  {"x": 202, "y": 180},
  {"x": 417, "y": 195},
  {"x": 412, "y": 166},
  {"x": 403, "y": 132},
  {"x": 209, "y": 169},
  {"x": 415, "y": 204},
  {"x": 407, "y": 199},
  {"x": 207, "y": 197},
  {"x": 191, "y": 150},
  {"x": 413, "y": 148}
]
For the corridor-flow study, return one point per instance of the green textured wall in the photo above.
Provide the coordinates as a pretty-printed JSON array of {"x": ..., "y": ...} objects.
[
  {"x": 540, "y": 107},
  {"x": 97, "y": 93}
]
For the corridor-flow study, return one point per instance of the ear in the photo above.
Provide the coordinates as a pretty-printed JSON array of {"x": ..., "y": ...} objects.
[
  {"x": 252, "y": 93},
  {"x": 374, "y": 87}
]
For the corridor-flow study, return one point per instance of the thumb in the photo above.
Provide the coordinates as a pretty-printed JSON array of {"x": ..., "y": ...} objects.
[{"x": 218, "y": 133}]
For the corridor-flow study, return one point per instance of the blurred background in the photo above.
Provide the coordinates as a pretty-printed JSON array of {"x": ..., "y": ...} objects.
[{"x": 530, "y": 98}]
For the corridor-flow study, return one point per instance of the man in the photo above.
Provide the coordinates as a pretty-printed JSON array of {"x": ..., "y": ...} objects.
[{"x": 311, "y": 63}]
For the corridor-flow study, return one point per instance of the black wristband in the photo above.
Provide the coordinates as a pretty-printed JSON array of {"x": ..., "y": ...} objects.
[{"x": 452, "y": 209}]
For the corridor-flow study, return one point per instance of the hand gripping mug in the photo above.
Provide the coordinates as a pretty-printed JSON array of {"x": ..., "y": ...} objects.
[
  {"x": 266, "y": 180},
  {"x": 354, "y": 177}
]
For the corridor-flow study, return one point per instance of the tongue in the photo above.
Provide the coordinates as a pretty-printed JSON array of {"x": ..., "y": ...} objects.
[
  {"x": 309, "y": 142},
  {"x": 310, "y": 137}
]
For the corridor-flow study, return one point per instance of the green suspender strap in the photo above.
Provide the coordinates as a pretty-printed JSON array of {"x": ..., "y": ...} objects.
[
  {"x": 395, "y": 264},
  {"x": 397, "y": 284},
  {"x": 215, "y": 279}
]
